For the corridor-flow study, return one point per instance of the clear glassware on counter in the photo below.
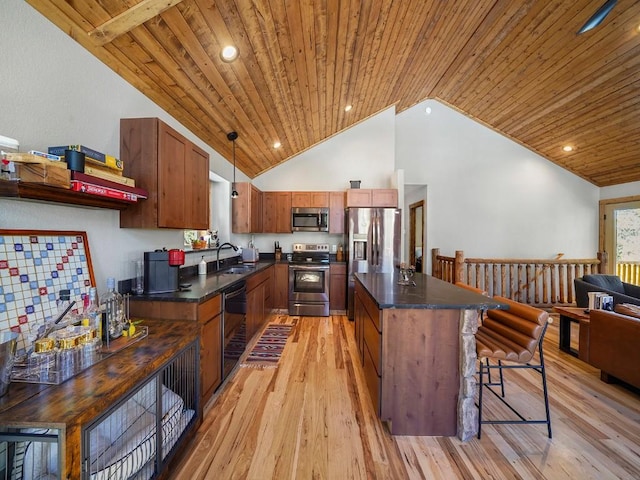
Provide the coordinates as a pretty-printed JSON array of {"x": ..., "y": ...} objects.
[{"x": 113, "y": 311}]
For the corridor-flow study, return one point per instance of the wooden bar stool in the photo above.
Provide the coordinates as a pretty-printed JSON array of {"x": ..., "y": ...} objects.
[{"x": 511, "y": 338}]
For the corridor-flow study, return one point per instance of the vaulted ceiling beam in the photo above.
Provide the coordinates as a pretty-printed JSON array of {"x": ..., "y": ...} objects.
[{"x": 130, "y": 19}]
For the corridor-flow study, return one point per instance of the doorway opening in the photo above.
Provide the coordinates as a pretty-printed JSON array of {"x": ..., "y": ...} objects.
[
  {"x": 416, "y": 235},
  {"x": 620, "y": 224}
]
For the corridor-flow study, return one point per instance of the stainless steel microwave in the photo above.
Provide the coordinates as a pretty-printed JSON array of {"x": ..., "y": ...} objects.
[{"x": 310, "y": 219}]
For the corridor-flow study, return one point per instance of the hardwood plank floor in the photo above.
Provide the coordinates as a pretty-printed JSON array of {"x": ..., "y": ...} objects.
[{"x": 312, "y": 418}]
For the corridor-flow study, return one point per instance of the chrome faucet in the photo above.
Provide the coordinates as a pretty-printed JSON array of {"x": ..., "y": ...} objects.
[{"x": 218, "y": 253}]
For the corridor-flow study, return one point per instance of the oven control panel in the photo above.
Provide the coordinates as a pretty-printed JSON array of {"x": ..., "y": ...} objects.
[{"x": 311, "y": 247}]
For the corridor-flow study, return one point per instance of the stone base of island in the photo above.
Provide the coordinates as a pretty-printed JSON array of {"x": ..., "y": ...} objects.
[{"x": 417, "y": 347}]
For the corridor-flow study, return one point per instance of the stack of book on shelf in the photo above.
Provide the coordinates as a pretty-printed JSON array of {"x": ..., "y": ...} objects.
[
  {"x": 102, "y": 175},
  {"x": 92, "y": 157},
  {"x": 83, "y": 182}
]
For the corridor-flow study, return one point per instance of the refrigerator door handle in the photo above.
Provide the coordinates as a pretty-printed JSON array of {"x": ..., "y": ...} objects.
[
  {"x": 377, "y": 239},
  {"x": 373, "y": 239}
]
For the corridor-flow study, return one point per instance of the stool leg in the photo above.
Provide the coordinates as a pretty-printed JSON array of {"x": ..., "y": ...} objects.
[
  {"x": 480, "y": 399},
  {"x": 501, "y": 378},
  {"x": 544, "y": 389}
]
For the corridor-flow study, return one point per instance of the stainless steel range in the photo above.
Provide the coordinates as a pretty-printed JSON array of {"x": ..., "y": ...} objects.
[{"x": 309, "y": 280}]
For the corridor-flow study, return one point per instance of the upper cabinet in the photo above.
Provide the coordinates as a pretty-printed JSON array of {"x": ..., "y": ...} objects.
[
  {"x": 173, "y": 170},
  {"x": 310, "y": 199},
  {"x": 357, "y": 197},
  {"x": 336, "y": 212},
  {"x": 276, "y": 208},
  {"x": 246, "y": 210}
]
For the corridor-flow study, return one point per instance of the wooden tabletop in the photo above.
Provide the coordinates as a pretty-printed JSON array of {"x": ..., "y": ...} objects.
[{"x": 577, "y": 313}]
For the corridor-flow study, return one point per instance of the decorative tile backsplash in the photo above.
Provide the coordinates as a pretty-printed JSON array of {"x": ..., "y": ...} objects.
[{"x": 34, "y": 267}]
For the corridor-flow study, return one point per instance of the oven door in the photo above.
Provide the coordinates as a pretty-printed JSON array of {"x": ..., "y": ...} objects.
[{"x": 309, "y": 290}]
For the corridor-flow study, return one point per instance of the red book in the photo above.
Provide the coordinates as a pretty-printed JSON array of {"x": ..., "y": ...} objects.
[
  {"x": 99, "y": 190},
  {"x": 83, "y": 177}
]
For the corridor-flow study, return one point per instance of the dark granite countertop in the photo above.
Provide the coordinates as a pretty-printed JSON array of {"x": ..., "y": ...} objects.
[
  {"x": 428, "y": 293},
  {"x": 203, "y": 288}
]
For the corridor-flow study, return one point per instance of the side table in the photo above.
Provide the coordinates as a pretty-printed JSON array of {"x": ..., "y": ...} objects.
[{"x": 569, "y": 315}]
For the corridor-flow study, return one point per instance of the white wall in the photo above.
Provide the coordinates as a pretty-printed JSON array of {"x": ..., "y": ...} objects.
[
  {"x": 364, "y": 152},
  {"x": 489, "y": 196},
  {"x": 631, "y": 189}
]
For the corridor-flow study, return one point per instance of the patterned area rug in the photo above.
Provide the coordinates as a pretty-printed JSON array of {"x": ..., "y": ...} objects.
[{"x": 268, "y": 349}]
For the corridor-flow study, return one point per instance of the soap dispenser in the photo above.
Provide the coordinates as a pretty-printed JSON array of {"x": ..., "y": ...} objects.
[{"x": 202, "y": 267}]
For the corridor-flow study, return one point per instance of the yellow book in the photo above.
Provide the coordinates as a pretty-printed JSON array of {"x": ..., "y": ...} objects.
[{"x": 110, "y": 175}]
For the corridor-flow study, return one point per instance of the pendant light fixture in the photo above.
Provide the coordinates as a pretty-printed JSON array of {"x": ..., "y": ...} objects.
[{"x": 232, "y": 136}]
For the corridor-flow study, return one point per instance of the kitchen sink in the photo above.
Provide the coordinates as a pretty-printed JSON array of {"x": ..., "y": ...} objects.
[{"x": 238, "y": 269}]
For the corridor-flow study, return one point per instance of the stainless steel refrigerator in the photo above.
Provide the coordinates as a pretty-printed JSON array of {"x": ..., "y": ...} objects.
[{"x": 372, "y": 240}]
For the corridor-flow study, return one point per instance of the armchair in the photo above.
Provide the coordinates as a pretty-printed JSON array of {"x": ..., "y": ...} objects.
[{"x": 611, "y": 284}]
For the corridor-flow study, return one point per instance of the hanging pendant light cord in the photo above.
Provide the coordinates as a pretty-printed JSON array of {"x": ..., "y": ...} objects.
[{"x": 233, "y": 136}]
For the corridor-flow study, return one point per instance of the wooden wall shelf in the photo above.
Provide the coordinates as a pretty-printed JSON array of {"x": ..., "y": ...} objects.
[{"x": 47, "y": 193}]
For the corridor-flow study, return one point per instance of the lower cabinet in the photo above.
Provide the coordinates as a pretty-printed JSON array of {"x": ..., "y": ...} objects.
[
  {"x": 258, "y": 300},
  {"x": 210, "y": 319},
  {"x": 280, "y": 292},
  {"x": 338, "y": 286},
  {"x": 369, "y": 341}
]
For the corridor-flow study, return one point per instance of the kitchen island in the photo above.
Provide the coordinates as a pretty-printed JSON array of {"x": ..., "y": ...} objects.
[{"x": 417, "y": 347}]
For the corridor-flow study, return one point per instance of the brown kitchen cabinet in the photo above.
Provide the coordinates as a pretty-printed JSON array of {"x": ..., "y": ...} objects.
[
  {"x": 208, "y": 314},
  {"x": 369, "y": 340},
  {"x": 172, "y": 169},
  {"x": 258, "y": 300},
  {"x": 336, "y": 212},
  {"x": 246, "y": 210},
  {"x": 337, "y": 286},
  {"x": 310, "y": 199},
  {"x": 281, "y": 286},
  {"x": 380, "y": 197},
  {"x": 276, "y": 208}
]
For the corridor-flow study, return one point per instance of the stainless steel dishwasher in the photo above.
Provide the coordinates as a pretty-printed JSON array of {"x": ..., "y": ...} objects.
[{"x": 234, "y": 321}]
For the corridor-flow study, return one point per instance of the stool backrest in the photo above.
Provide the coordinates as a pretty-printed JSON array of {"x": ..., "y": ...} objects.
[{"x": 523, "y": 325}]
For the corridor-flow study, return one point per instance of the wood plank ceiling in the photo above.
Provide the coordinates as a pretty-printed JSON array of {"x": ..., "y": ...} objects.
[{"x": 517, "y": 66}]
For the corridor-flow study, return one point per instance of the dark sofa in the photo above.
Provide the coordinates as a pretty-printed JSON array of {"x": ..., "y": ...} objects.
[{"x": 611, "y": 284}]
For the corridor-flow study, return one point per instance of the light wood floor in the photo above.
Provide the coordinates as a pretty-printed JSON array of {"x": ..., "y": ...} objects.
[{"x": 312, "y": 418}]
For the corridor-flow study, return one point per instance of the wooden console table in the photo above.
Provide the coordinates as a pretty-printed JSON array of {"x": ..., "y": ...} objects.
[{"x": 569, "y": 315}]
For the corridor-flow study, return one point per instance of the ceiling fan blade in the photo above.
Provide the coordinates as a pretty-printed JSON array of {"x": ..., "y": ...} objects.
[{"x": 599, "y": 16}]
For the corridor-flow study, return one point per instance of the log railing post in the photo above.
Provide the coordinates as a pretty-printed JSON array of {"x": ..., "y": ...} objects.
[
  {"x": 604, "y": 262},
  {"x": 436, "y": 268},
  {"x": 458, "y": 267}
]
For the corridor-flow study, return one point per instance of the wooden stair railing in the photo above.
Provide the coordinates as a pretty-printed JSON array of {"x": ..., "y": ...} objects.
[{"x": 543, "y": 283}]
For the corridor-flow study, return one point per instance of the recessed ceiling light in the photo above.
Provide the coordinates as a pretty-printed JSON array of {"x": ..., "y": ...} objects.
[
  {"x": 277, "y": 144},
  {"x": 427, "y": 110},
  {"x": 229, "y": 53},
  {"x": 347, "y": 108},
  {"x": 567, "y": 148}
]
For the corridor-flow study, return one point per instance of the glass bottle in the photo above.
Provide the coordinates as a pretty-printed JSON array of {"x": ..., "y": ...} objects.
[
  {"x": 92, "y": 318},
  {"x": 113, "y": 311}
]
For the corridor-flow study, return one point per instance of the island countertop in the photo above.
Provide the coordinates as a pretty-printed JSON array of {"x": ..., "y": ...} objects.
[{"x": 428, "y": 293}]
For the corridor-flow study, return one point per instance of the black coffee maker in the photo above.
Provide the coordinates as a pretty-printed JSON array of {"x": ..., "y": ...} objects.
[{"x": 162, "y": 270}]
